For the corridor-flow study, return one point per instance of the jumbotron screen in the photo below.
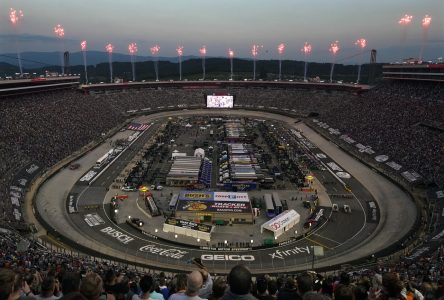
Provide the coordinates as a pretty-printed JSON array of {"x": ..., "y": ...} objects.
[{"x": 220, "y": 101}]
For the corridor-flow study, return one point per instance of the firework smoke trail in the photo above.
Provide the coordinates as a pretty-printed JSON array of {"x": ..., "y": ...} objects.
[
  {"x": 254, "y": 53},
  {"x": 179, "y": 51},
  {"x": 59, "y": 31},
  {"x": 425, "y": 31},
  {"x": 83, "y": 45},
  {"x": 281, "y": 50},
  {"x": 14, "y": 18},
  {"x": 132, "y": 49},
  {"x": 307, "y": 51},
  {"x": 203, "y": 53},
  {"x": 404, "y": 22},
  {"x": 154, "y": 52},
  {"x": 361, "y": 43},
  {"x": 109, "y": 48},
  {"x": 334, "y": 49},
  {"x": 231, "y": 55}
]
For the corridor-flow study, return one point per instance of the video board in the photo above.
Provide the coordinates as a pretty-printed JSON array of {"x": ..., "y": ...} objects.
[{"x": 220, "y": 101}]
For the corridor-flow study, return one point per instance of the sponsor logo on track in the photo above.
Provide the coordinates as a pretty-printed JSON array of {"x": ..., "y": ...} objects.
[
  {"x": 173, "y": 253},
  {"x": 231, "y": 257},
  {"x": 121, "y": 237},
  {"x": 282, "y": 254}
]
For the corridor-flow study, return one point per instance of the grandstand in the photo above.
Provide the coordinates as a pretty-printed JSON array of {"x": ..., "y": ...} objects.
[{"x": 395, "y": 111}]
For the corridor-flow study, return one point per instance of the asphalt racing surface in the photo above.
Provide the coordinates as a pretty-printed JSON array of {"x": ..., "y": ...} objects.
[{"x": 344, "y": 237}]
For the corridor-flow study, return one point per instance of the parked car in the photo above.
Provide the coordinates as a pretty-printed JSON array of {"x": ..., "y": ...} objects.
[
  {"x": 129, "y": 189},
  {"x": 74, "y": 166}
]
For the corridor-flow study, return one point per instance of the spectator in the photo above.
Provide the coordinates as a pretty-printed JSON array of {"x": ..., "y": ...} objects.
[
  {"x": 50, "y": 289},
  {"x": 344, "y": 292},
  {"x": 262, "y": 289},
  {"x": 194, "y": 284},
  {"x": 219, "y": 288},
  {"x": 239, "y": 281},
  {"x": 92, "y": 286},
  {"x": 146, "y": 284},
  {"x": 70, "y": 284},
  {"x": 305, "y": 284},
  {"x": 289, "y": 291}
]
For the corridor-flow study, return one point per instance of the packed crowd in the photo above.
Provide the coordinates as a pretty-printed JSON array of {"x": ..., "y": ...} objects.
[
  {"x": 39, "y": 273},
  {"x": 402, "y": 121},
  {"x": 46, "y": 128}
]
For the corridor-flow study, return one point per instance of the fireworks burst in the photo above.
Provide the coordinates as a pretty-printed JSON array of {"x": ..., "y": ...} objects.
[
  {"x": 203, "y": 53},
  {"x": 109, "y": 48},
  {"x": 83, "y": 45},
  {"x": 361, "y": 43},
  {"x": 255, "y": 50},
  {"x": 179, "y": 51},
  {"x": 426, "y": 21},
  {"x": 203, "y": 50},
  {"x": 306, "y": 49},
  {"x": 405, "y": 20},
  {"x": 155, "y": 49},
  {"x": 59, "y": 31},
  {"x": 281, "y": 48},
  {"x": 230, "y": 53},
  {"x": 334, "y": 48},
  {"x": 132, "y": 48},
  {"x": 15, "y": 16}
]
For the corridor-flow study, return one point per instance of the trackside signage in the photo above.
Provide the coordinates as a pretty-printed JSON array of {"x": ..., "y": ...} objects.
[
  {"x": 229, "y": 257},
  {"x": 282, "y": 254},
  {"x": 121, "y": 237},
  {"x": 167, "y": 252}
]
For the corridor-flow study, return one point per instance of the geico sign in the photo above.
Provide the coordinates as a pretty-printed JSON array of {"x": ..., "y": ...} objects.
[
  {"x": 232, "y": 257},
  {"x": 123, "y": 238}
]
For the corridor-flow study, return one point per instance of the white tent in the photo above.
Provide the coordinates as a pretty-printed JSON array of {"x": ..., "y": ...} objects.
[{"x": 282, "y": 222}]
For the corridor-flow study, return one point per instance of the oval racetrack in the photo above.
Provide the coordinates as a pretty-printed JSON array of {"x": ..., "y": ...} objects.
[{"x": 346, "y": 240}]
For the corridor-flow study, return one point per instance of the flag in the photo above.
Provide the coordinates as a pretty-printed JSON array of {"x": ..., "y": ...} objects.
[{"x": 138, "y": 127}]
